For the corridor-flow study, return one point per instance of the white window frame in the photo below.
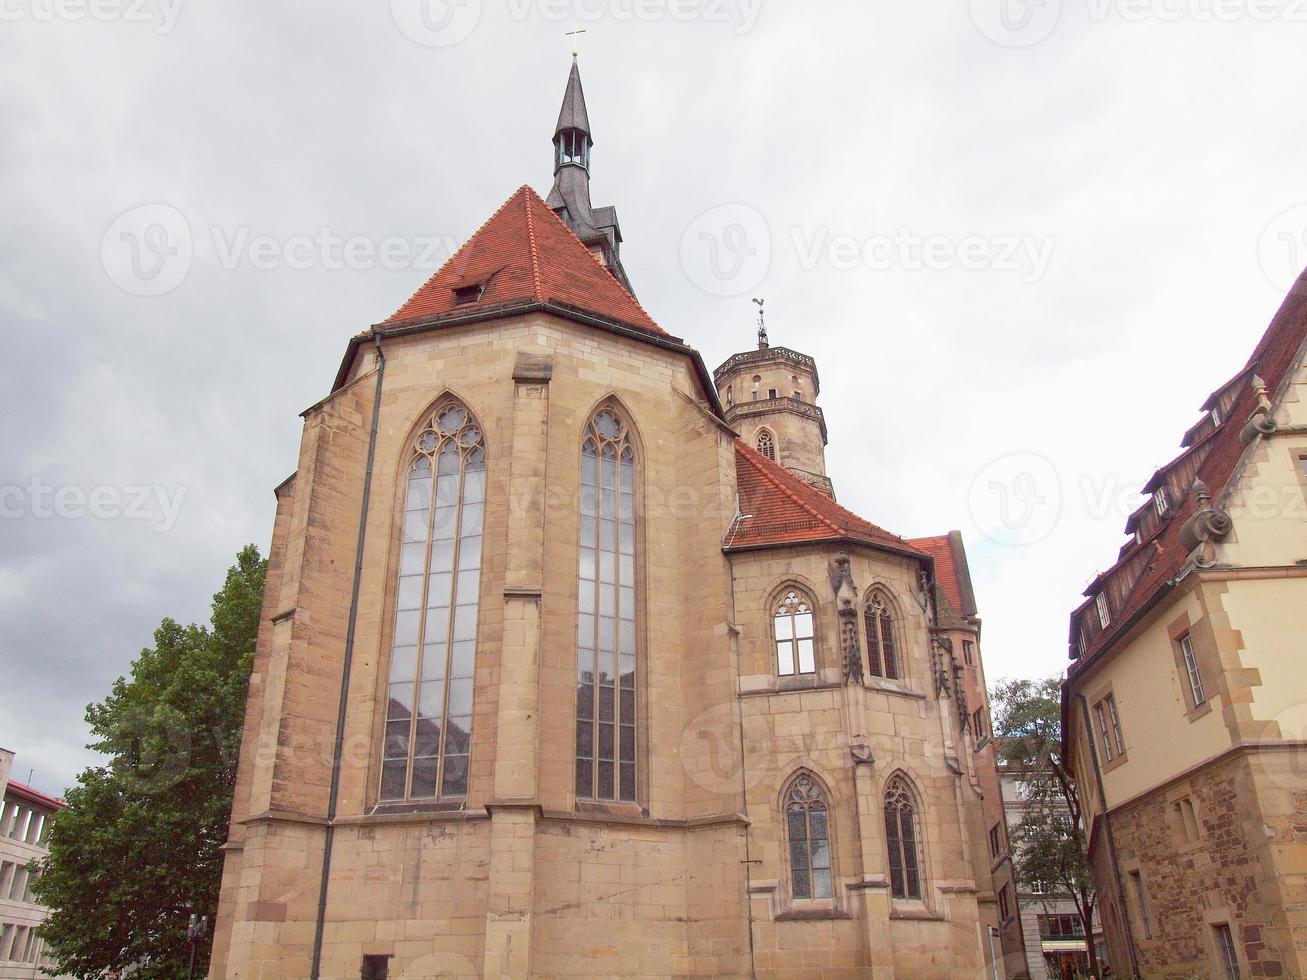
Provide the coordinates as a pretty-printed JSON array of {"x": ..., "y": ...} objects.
[
  {"x": 1104, "y": 613},
  {"x": 1161, "y": 502},
  {"x": 1197, "y": 692}
]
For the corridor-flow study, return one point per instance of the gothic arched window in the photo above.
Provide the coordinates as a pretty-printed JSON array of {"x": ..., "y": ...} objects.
[
  {"x": 807, "y": 830},
  {"x": 792, "y": 623},
  {"x": 882, "y": 647},
  {"x": 433, "y": 653},
  {"x": 901, "y": 839},
  {"x": 606, "y": 638},
  {"x": 767, "y": 445}
]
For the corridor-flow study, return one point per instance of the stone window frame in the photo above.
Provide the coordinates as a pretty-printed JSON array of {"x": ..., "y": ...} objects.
[
  {"x": 613, "y": 404},
  {"x": 766, "y": 438},
  {"x": 808, "y": 908},
  {"x": 1213, "y": 919},
  {"x": 1175, "y": 802},
  {"x": 1298, "y": 456},
  {"x": 820, "y": 660},
  {"x": 890, "y": 604},
  {"x": 1138, "y": 903},
  {"x": 404, "y": 462},
  {"x": 1206, "y": 658},
  {"x": 1110, "y": 756},
  {"x": 908, "y": 904}
]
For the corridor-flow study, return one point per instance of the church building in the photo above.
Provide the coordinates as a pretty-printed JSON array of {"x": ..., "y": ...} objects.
[{"x": 570, "y": 663}]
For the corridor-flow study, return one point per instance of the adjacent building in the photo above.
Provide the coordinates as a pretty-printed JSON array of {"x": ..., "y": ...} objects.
[
  {"x": 571, "y": 665},
  {"x": 24, "y": 827},
  {"x": 1185, "y": 708}
]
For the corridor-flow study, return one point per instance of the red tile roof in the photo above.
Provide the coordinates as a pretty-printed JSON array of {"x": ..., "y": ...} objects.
[
  {"x": 1272, "y": 360},
  {"x": 946, "y": 567},
  {"x": 525, "y": 253},
  {"x": 781, "y": 509},
  {"x": 36, "y": 796}
]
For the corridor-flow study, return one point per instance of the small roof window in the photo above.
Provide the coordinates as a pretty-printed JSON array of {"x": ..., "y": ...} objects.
[{"x": 464, "y": 295}]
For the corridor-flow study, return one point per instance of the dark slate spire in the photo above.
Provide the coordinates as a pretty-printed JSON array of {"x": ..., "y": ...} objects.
[{"x": 570, "y": 197}]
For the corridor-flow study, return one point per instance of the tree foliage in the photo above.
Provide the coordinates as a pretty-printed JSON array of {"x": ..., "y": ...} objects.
[
  {"x": 137, "y": 850},
  {"x": 1049, "y": 843}
]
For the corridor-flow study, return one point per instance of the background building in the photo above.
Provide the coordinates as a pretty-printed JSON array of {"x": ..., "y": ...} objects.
[
  {"x": 1053, "y": 932},
  {"x": 560, "y": 674},
  {"x": 24, "y": 828},
  {"x": 1185, "y": 708}
]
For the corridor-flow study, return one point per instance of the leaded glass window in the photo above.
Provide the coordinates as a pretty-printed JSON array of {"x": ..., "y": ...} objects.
[
  {"x": 807, "y": 826},
  {"x": 606, "y": 621},
  {"x": 792, "y": 624},
  {"x": 433, "y": 653},
  {"x": 882, "y": 648},
  {"x": 767, "y": 445},
  {"x": 901, "y": 839}
]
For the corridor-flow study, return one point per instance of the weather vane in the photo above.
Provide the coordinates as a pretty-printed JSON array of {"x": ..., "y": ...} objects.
[
  {"x": 575, "y": 34},
  {"x": 762, "y": 323}
]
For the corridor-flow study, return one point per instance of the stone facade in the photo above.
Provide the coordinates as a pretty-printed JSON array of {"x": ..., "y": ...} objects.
[{"x": 524, "y": 874}]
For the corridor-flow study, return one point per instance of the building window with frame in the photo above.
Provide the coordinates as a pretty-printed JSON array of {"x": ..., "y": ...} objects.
[
  {"x": 767, "y": 444},
  {"x": 807, "y": 830},
  {"x": 1104, "y": 613},
  {"x": 882, "y": 645},
  {"x": 1100, "y": 715},
  {"x": 1161, "y": 501},
  {"x": 995, "y": 841},
  {"x": 969, "y": 653},
  {"x": 1229, "y": 955},
  {"x": 433, "y": 651},
  {"x": 901, "y": 839},
  {"x": 978, "y": 724},
  {"x": 1115, "y": 718},
  {"x": 1197, "y": 694},
  {"x": 1186, "y": 819},
  {"x": 1141, "y": 898},
  {"x": 606, "y": 750},
  {"x": 793, "y": 630}
]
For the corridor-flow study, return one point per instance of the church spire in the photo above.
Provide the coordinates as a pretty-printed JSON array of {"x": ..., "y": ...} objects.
[{"x": 570, "y": 197}]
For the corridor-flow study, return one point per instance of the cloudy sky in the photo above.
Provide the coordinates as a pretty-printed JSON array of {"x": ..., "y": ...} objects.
[{"x": 1023, "y": 243}]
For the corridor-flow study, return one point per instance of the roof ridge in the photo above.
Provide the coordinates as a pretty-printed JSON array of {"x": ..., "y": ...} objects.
[
  {"x": 524, "y": 192},
  {"x": 784, "y": 489},
  {"x": 593, "y": 257}
]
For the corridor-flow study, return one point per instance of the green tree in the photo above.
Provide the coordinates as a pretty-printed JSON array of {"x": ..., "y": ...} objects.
[
  {"x": 137, "y": 850},
  {"x": 1049, "y": 843}
]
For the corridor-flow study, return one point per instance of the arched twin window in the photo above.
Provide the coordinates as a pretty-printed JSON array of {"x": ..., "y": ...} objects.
[
  {"x": 767, "y": 444},
  {"x": 807, "y": 828},
  {"x": 606, "y": 634},
  {"x": 792, "y": 623},
  {"x": 901, "y": 838},
  {"x": 433, "y": 652},
  {"x": 882, "y": 646}
]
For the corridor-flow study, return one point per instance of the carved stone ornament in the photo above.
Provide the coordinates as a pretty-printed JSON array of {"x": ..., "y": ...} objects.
[{"x": 1207, "y": 526}]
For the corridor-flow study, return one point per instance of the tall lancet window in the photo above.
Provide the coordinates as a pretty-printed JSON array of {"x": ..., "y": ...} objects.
[
  {"x": 807, "y": 828},
  {"x": 767, "y": 444},
  {"x": 606, "y": 637},
  {"x": 882, "y": 647},
  {"x": 901, "y": 839},
  {"x": 433, "y": 655}
]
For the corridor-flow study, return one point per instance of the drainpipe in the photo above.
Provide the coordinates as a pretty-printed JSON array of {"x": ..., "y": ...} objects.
[
  {"x": 1111, "y": 842},
  {"x": 345, "y": 673}
]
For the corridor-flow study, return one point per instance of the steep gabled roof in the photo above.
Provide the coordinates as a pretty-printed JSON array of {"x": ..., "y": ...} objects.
[
  {"x": 525, "y": 253},
  {"x": 952, "y": 574},
  {"x": 780, "y": 509},
  {"x": 1221, "y": 452}
]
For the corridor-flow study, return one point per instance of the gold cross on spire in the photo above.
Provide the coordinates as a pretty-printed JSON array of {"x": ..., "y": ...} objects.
[{"x": 575, "y": 35}]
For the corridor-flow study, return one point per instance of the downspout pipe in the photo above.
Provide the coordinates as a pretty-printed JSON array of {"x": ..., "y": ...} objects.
[
  {"x": 338, "y": 750},
  {"x": 1111, "y": 842}
]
